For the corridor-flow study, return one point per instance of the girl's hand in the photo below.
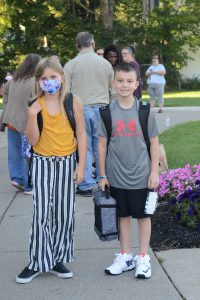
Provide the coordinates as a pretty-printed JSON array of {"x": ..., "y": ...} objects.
[
  {"x": 35, "y": 108},
  {"x": 153, "y": 181},
  {"x": 79, "y": 175},
  {"x": 103, "y": 183}
]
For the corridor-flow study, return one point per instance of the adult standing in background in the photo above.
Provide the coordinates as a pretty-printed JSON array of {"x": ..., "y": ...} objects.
[
  {"x": 128, "y": 56},
  {"x": 113, "y": 54},
  {"x": 90, "y": 78},
  {"x": 100, "y": 52},
  {"x": 17, "y": 93},
  {"x": 156, "y": 82}
]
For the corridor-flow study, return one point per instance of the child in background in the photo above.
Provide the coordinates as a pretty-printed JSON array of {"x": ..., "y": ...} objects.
[
  {"x": 53, "y": 175},
  {"x": 127, "y": 169}
]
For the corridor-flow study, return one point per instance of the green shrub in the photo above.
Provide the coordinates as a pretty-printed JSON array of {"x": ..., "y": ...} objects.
[{"x": 191, "y": 84}]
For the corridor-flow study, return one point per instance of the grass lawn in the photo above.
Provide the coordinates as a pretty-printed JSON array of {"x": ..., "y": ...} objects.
[
  {"x": 179, "y": 98},
  {"x": 172, "y": 99},
  {"x": 182, "y": 144}
]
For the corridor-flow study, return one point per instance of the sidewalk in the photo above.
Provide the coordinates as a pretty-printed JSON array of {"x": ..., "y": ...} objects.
[
  {"x": 176, "y": 115},
  {"x": 177, "y": 278}
]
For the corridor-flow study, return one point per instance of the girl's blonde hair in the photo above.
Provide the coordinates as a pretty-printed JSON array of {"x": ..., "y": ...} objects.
[{"x": 54, "y": 65}]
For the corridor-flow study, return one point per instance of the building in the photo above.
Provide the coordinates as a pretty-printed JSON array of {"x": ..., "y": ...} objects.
[{"x": 192, "y": 69}]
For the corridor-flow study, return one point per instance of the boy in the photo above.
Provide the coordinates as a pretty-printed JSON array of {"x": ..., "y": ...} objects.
[{"x": 127, "y": 169}]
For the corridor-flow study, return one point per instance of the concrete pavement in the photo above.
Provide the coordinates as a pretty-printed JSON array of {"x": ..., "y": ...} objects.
[
  {"x": 176, "y": 115},
  {"x": 175, "y": 272}
]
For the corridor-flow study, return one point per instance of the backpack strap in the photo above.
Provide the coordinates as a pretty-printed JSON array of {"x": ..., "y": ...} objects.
[
  {"x": 68, "y": 105},
  {"x": 39, "y": 117},
  {"x": 143, "y": 114},
  {"x": 107, "y": 120}
]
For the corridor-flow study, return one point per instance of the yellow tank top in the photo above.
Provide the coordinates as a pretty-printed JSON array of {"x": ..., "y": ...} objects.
[{"x": 57, "y": 136}]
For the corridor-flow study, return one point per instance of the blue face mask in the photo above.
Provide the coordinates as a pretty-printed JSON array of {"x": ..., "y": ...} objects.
[{"x": 50, "y": 86}]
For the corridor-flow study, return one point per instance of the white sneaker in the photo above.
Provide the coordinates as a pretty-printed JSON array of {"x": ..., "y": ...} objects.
[
  {"x": 143, "y": 266},
  {"x": 122, "y": 263},
  {"x": 28, "y": 192}
]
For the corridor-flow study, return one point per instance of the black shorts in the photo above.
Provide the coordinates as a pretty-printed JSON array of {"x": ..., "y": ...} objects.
[{"x": 130, "y": 202}]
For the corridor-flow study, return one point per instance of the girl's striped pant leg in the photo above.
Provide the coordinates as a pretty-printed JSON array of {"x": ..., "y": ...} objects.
[{"x": 52, "y": 229}]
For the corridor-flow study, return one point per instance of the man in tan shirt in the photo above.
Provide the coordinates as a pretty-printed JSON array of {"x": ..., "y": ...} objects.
[{"x": 89, "y": 77}]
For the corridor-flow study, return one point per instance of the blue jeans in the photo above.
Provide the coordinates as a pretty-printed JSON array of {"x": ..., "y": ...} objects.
[
  {"x": 91, "y": 116},
  {"x": 17, "y": 165}
]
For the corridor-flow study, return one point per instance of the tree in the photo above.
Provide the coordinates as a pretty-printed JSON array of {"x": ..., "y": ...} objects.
[
  {"x": 166, "y": 29},
  {"x": 107, "y": 13},
  {"x": 50, "y": 27}
]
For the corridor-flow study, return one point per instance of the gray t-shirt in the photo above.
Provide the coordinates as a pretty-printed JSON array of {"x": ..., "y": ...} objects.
[{"x": 128, "y": 163}]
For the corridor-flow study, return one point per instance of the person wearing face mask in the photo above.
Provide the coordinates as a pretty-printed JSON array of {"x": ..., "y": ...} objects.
[
  {"x": 54, "y": 173},
  {"x": 156, "y": 82},
  {"x": 17, "y": 92}
]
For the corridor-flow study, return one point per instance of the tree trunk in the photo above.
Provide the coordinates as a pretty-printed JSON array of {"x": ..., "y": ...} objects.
[
  {"x": 107, "y": 11},
  {"x": 149, "y": 5}
]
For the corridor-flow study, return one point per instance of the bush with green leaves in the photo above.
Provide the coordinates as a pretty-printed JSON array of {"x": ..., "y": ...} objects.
[{"x": 190, "y": 84}]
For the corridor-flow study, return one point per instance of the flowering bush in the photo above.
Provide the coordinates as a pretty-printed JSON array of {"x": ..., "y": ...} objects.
[
  {"x": 181, "y": 187},
  {"x": 173, "y": 183},
  {"x": 187, "y": 207}
]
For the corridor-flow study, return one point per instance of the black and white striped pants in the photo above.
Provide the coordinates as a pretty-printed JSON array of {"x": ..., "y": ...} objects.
[{"x": 52, "y": 229}]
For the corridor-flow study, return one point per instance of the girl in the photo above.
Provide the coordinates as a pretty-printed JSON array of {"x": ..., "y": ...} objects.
[{"x": 53, "y": 176}]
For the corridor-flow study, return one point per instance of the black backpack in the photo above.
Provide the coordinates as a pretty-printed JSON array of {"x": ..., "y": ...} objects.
[
  {"x": 143, "y": 114},
  {"x": 68, "y": 105}
]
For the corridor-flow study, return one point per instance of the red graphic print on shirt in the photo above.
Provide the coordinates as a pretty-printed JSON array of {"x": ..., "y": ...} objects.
[
  {"x": 125, "y": 129},
  {"x": 122, "y": 125}
]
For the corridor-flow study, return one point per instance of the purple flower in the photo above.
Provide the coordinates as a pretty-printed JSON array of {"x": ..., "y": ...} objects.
[
  {"x": 175, "y": 182},
  {"x": 191, "y": 212},
  {"x": 173, "y": 201}
]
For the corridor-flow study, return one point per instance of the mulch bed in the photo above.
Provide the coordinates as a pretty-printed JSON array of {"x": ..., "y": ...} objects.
[{"x": 167, "y": 233}]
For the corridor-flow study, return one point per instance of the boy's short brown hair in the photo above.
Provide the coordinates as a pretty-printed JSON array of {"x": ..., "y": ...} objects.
[{"x": 125, "y": 67}]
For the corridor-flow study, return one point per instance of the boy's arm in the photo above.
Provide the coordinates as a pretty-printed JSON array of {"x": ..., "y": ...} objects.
[
  {"x": 32, "y": 130},
  {"x": 154, "y": 150},
  {"x": 82, "y": 140},
  {"x": 102, "y": 153}
]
